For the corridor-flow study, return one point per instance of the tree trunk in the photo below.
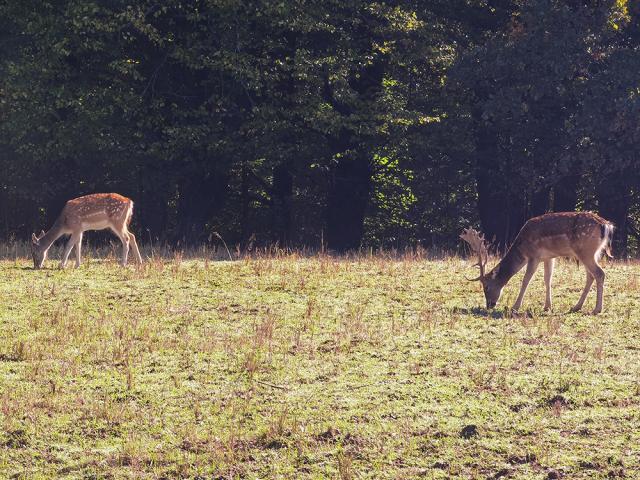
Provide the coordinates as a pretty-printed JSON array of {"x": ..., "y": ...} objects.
[
  {"x": 347, "y": 203},
  {"x": 501, "y": 215},
  {"x": 244, "y": 204},
  {"x": 350, "y": 180}
]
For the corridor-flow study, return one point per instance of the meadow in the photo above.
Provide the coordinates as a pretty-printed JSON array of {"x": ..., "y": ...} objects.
[{"x": 313, "y": 367}]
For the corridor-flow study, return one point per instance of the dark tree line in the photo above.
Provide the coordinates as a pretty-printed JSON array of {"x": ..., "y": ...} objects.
[{"x": 305, "y": 121}]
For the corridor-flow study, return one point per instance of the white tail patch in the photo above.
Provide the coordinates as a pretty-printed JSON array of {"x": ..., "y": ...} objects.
[{"x": 606, "y": 241}]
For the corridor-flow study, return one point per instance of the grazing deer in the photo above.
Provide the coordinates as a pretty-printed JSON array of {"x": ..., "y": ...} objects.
[
  {"x": 580, "y": 235},
  {"x": 91, "y": 212}
]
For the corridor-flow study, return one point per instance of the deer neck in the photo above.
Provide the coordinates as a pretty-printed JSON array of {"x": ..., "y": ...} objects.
[
  {"x": 51, "y": 235},
  {"x": 510, "y": 264}
]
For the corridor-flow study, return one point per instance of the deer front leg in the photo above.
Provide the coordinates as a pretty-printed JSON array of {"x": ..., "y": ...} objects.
[
  {"x": 532, "y": 266},
  {"x": 78, "y": 248},
  {"x": 67, "y": 249},
  {"x": 548, "y": 274}
]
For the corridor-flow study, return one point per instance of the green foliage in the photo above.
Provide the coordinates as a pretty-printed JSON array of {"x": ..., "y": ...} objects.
[
  {"x": 388, "y": 223},
  {"x": 270, "y": 119}
]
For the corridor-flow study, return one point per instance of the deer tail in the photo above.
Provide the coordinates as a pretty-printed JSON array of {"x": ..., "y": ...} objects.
[{"x": 607, "y": 236}]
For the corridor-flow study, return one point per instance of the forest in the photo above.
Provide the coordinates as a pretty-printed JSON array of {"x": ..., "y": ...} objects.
[{"x": 339, "y": 124}]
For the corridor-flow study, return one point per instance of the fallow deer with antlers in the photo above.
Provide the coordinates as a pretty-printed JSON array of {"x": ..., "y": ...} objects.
[
  {"x": 98, "y": 211},
  {"x": 580, "y": 235}
]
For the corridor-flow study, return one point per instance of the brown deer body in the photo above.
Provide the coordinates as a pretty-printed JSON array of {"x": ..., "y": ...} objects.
[
  {"x": 580, "y": 235},
  {"x": 98, "y": 211}
]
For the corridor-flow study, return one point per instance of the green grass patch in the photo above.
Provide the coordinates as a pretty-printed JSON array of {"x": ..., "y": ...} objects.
[{"x": 313, "y": 368}]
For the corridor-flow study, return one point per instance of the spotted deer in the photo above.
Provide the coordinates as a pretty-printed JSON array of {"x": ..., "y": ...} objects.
[
  {"x": 98, "y": 211},
  {"x": 583, "y": 236}
]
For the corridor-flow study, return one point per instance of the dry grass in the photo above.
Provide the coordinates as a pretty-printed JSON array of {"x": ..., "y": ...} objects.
[{"x": 294, "y": 367}]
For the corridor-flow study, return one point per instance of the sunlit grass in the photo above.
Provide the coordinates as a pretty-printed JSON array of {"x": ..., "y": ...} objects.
[{"x": 312, "y": 368}]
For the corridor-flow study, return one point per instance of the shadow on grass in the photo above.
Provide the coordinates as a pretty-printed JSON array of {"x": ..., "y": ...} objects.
[
  {"x": 30, "y": 268},
  {"x": 505, "y": 313},
  {"x": 482, "y": 312},
  {"x": 51, "y": 268}
]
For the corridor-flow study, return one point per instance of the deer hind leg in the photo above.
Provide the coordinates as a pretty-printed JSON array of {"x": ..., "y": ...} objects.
[
  {"x": 598, "y": 274},
  {"x": 134, "y": 245},
  {"x": 532, "y": 266},
  {"x": 123, "y": 235},
  {"x": 585, "y": 292},
  {"x": 68, "y": 247},
  {"x": 125, "y": 248},
  {"x": 78, "y": 249},
  {"x": 548, "y": 274}
]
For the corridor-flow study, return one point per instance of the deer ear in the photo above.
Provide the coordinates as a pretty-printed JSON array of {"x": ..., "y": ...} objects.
[
  {"x": 34, "y": 239},
  {"x": 41, "y": 234}
]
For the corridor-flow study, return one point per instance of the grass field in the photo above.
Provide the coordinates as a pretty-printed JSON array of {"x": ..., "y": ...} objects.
[{"x": 313, "y": 368}]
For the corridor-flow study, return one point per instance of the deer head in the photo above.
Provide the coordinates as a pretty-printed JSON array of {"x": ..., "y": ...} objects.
[
  {"x": 38, "y": 253},
  {"x": 492, "y": 289}
]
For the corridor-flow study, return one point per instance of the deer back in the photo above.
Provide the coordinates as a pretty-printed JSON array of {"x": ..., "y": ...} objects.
[{"x": 568, "y": 234}]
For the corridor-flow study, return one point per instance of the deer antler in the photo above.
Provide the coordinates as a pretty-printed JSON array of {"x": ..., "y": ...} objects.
[{"x": 477, "y": 245}]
